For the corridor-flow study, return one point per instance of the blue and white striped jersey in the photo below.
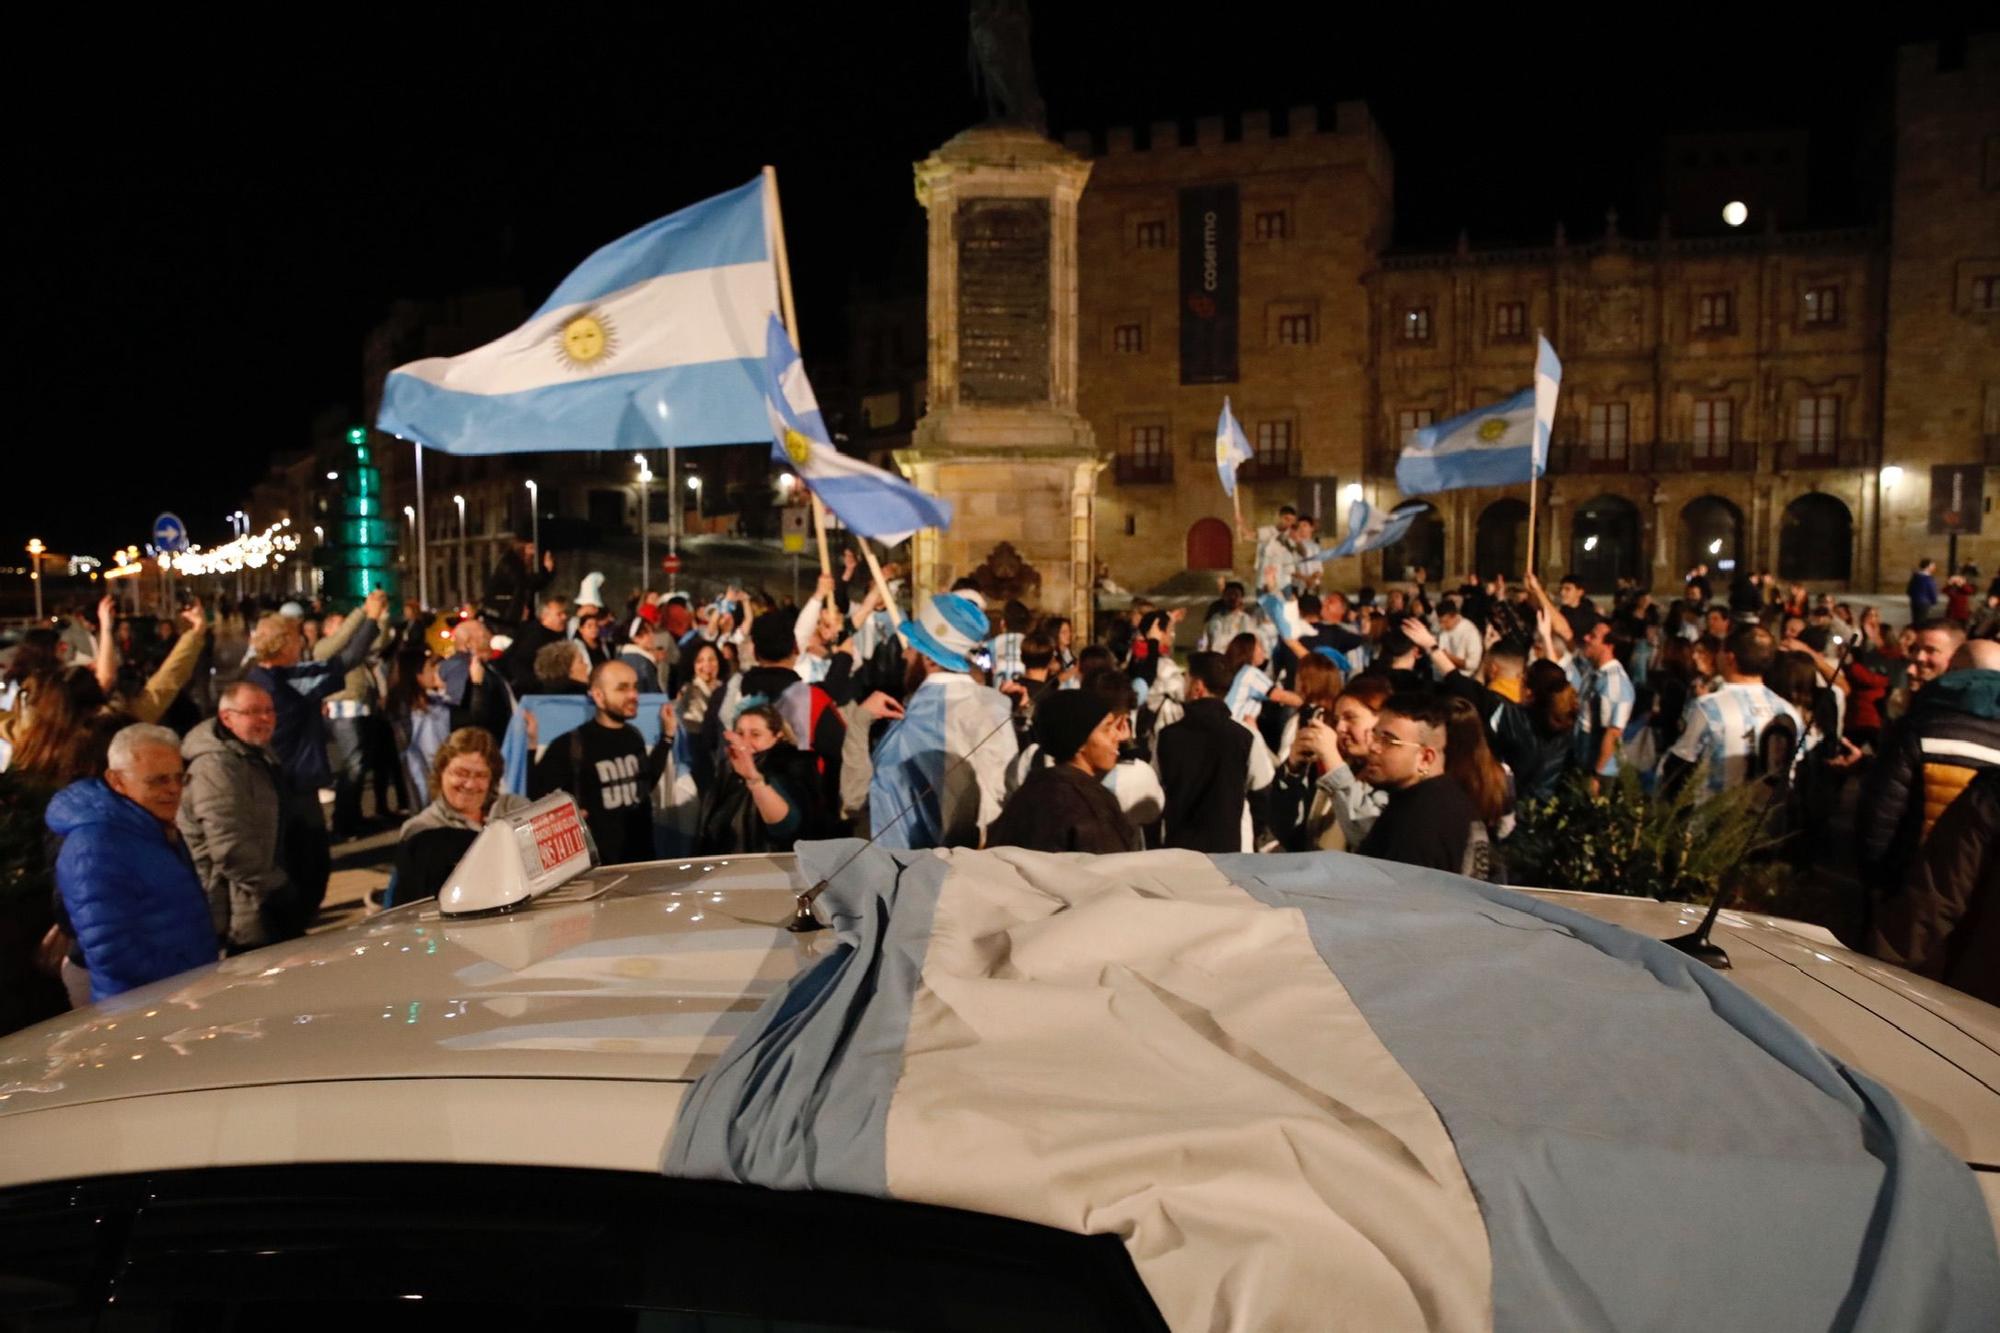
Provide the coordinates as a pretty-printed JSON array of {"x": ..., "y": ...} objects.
[{"x": 1723, "y": 727}]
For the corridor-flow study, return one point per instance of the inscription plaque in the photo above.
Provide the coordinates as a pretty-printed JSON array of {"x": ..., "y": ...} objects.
[{"x": 1003, "y": 300}]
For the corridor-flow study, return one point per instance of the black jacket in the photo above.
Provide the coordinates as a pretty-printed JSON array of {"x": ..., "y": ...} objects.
[
  {"x": 1946, "y": 922},
  {"x": 1950, "y": 733},
  {"x": 730, "y": 821},
  {"x": 518, "y": 662},
  {"x": 511, "y": 588},
  {"x": 1432, "y": 824},
  {"x": 1060, "y": 809},
  {"x": 1205, "y": 768},
  {"x": 1536, "y": 761}
]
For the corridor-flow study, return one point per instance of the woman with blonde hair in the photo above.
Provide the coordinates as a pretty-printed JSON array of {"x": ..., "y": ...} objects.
[{"x": 465, "y": 795}]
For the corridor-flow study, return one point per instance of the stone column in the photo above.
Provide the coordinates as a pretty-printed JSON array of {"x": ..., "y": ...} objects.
[{"x": 1002, "y": 439}]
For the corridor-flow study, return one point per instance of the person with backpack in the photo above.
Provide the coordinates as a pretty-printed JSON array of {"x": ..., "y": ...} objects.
[{"x": 605, "y": 764}]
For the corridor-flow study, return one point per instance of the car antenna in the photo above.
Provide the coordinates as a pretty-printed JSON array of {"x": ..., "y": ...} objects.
[
  {"x": 1696, "y": 944},
  {"x": 803, "y": 919}
]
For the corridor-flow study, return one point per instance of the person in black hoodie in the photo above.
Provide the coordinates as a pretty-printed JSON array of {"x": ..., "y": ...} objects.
[
  {"x": 1064, "y": 806},
  {"x": 1204, "y": 764},
  {"x": 605, "y": 764},
  {"x": 768, "y": 795}
]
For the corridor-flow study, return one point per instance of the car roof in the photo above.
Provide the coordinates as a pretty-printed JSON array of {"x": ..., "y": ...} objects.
[{"x": 601, "y": 1001}]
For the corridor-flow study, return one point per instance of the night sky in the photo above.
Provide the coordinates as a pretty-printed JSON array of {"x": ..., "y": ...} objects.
[{"x": 206, "y": 222}]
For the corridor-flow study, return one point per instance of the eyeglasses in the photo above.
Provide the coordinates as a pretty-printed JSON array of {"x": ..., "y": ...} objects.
[
  {"x": 1389, "y": 740},
  {"x": 163, "y": 781}
]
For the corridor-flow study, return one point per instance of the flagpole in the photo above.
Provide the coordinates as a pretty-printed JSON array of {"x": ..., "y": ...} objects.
[
  {"x": 1534, "y": 490},
  {"x": 881, "y": 584},
  {"x": 792, "y": 327}
]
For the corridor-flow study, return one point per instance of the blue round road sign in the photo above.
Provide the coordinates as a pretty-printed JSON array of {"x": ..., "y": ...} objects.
[{"x": 169, "y": 533}]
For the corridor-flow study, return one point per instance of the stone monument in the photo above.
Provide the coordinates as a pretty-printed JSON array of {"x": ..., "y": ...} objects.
[{"x": 1002, "y": 439}]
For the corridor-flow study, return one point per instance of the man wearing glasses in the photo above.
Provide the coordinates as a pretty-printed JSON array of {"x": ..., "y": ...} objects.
[
  {"x": 232, "y": 820},
  {"x": 1430, "y": 821},
  {"x": 126, "y": 882}
]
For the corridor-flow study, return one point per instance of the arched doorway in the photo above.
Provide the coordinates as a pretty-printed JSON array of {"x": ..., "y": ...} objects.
[
  {"x": 1712, "y": 534},
  {"x": 1422, "y": 548},
  {"x": 1604, "y": 543},
  {"x": 1816, "y": 540},
  {"x": 1208, "y": 545},
  {"x": 1501, "y": 546}
]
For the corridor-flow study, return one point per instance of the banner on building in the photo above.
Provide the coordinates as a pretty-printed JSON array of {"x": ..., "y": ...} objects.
[
  {"x": 1211, "y": 225},
  {"x": 1958, "y": 501}
]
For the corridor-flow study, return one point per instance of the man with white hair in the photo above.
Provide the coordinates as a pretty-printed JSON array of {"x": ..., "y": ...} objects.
[
  {"x": 231, "y": 818},
  {"x": 941, "y": 769},
  {"x": 126, "y": 882}
]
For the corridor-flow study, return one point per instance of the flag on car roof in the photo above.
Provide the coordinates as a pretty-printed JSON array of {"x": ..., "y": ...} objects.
[{"x": 656, "y": 340}]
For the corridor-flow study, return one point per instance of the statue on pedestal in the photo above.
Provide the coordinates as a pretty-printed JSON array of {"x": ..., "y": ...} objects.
[{"x": 1003, "y": 65}]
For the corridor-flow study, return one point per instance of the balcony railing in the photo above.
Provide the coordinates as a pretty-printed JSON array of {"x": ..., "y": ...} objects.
[
  {"x": 1269, "y": 467},
  {"x": 1792, "y": 456},
  {"x": 1680, "y": 456},
  {"x": 1143, "y": 469}
]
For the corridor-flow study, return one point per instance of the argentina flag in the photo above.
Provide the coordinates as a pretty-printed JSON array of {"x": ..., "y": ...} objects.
[
  {"x": 870, "y": 501},
  {"x": 1371, "y": 529},
  {"x": 656, "y": 340},
  {"x": 1232, "y": 448},
  {"x": 1497, "y": 445}
]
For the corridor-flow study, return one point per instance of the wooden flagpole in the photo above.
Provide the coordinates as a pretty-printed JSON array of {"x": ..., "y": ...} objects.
[
  {"x": 791, "y": 313},
  {"x": 1534, "y": 490}
]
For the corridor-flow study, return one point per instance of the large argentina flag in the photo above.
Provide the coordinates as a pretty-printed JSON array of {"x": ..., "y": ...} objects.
[
  {"x": 1321, "y": 1091},
  {"x": 656, "y": 340},
  {"x": 1488, "y": 446}
]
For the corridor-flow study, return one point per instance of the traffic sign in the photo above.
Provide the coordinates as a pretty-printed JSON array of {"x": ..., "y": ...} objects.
[
  {"x": 670, "y": 563},
  {"x": 795, "y": 529},
  {"x": 1958, "y": 501},
  {"x": 169, "y": 533}
]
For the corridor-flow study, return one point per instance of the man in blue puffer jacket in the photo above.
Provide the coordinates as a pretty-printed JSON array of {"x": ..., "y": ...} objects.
[{"x": 128, "y": 884}]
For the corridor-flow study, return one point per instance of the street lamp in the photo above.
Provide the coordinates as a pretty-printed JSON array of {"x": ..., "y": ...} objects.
[
  {"x": 464, "y": 579},
  {"x": 535, "y": 516},
  {"x": 35, "y": 549},
  {"x": 645, "y": 536}
]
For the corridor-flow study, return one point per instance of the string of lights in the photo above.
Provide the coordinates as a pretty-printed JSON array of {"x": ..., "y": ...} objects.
[{"x": 252, "y": 550}]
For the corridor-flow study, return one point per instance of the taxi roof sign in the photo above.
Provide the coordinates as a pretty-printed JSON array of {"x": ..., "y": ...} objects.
[{"x": 518, "y": 857}]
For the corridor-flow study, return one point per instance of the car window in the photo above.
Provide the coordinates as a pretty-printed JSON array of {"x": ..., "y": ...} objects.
[{"x": 381, "y": 1248}]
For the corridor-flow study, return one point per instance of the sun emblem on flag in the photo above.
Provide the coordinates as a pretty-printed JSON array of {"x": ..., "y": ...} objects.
[
  {"x": 1223, "y": 453},
  {"x": 586, "y": 339},
  {"x": 798, "y": 448},
  {"x": 1492, "y": 429}
]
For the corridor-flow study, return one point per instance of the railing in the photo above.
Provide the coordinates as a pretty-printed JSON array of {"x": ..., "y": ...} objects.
[
  {"x": 1679, "y": 456},
  {"x": 1143, "y": 469},
  {"x": 1791, "y": 456},
  {"x": 1269, "y": 467}
]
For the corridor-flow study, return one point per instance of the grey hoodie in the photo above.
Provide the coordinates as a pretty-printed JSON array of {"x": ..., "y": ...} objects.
[{"x": 230, "y": 820}]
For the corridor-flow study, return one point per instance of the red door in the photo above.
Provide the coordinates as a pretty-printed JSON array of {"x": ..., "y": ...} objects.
[{"x": 1208, "y": 545}]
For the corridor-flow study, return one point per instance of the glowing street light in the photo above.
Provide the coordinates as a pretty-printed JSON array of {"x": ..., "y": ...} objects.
[
  {"x": 35, "y": 549},
  {"x": 645, "y": 520},
  {"x": 464, "y": 579},
  {"x": 1891, "y": 475},
  {"x": 535, "y": 516}
]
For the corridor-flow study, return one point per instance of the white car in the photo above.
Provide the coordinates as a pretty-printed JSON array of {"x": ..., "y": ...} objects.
[{"x": 419, "y": 1120}]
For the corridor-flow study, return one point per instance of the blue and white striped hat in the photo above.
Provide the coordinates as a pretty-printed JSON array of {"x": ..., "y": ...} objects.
[{"x": 949, "y": 628}]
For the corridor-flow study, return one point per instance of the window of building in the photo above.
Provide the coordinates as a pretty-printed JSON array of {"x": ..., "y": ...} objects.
[
  {"x": 1131, "y": 525},
  {"x": 1272, "y": 225},
  {"x": 1990, "y": 417},
  {"x": 1986, "y": 292},
  {"x": 1295, "y": 330},
  {"x": 1128, "y": 338},
  {"x": 1818, "y": 425},
  {"x": 1412, "y": 418},
  {"x": 1149, "y": 445},
  {"x": 1510, "y": 319},
  {"x": 1274, "y": 444},
  {"x": 1608, "y": 431},
  {"x": 1714, "y": 312},
  {"x": 1820, "y": 306},
  {"x": 1415, "y": 326},
  {"x": 1714, "y": 427},
  {"x": 1150, "y": 234}
]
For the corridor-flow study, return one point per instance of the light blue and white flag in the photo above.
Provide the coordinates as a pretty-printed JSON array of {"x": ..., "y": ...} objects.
[
  {"x": 870, "y": 501},
  {"x": 1036, "y": 1036},
  {"x": 1497, "y": 445},
  {"x": 940, "y": 769},
  {"x": 656, "y": 340},
  {"x": 1232, "y": 448},
  {"x": 1284, "y": 614},
  {"x": 1370, "y": 529}
]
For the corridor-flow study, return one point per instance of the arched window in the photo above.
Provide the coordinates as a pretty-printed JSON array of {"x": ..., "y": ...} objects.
[
  {"x": 1604, "y": 543},
  {"x": 1711, "y": 533},
  {"x": 1816, "y": 540},
  {"x": 1502, "y": 542},
  {"x": 1422, "y": 548}
]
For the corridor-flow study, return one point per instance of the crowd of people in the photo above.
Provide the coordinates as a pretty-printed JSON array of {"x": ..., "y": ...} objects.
[{"x": 181, "y": 771}]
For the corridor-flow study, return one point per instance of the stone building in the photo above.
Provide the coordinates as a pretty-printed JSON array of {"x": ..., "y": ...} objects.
[
  {"x": 1312, "y": 202},
  {"x": 1768, "y": 396}
]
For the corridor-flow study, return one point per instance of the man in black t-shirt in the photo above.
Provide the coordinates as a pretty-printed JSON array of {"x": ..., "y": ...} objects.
[
  {"x": 1431, "y": 821},
  {"x": 605, "y": 765}
]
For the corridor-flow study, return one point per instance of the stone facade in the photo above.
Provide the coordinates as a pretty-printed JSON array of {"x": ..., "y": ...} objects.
[
  {"x": 1942, "y": 399},
  {"x": 1320, "y": 195}
]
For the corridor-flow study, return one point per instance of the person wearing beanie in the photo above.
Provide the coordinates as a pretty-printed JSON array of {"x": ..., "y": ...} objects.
[{"x": 1064, "y": 806}]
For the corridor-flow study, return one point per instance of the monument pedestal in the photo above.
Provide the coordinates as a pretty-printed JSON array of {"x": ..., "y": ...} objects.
[{"x": 1002, "y": 439}]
